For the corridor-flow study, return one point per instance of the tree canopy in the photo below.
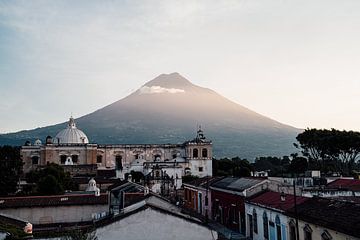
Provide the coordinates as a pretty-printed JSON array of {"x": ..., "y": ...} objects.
[
  {"x": 236, "y": 167},
  {"x": 51, "y": 180},
  {"x": 10, "y": 169},
  {"x": 333, "y": 149}
]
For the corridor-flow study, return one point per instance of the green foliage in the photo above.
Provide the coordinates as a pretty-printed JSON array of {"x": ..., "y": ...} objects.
[
  {"x": 236, "y": 167},
  {"x": 49, "y": 185},
  {"x": 333, "y": 150},
  {"x": 51, "y": 180},
  {"x": 10, "y": 169},
  {"x": 189, "y": 178}
]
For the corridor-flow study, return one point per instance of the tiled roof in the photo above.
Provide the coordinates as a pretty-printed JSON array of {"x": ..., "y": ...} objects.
[
  {"x": 203, "y": 182},
  {"x": 349, "y": 184},
  {"x": 272, "y": 200},
  {"x": 237, "y": 184},
  {"x": 56, "y": 200},
  {"x": 337, "y": 215}
]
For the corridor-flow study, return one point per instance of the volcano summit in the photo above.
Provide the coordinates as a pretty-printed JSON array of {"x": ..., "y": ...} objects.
[{"x": 168, "y": 109}]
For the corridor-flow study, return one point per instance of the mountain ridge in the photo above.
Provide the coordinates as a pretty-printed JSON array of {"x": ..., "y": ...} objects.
[{"x": 167, "y": 109}]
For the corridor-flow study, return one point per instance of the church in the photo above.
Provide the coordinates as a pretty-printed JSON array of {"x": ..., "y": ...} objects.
[{"x": 72, "y": 149}]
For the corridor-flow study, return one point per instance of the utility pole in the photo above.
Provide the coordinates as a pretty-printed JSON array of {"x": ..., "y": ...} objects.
[{"x": 295, "y": 208}]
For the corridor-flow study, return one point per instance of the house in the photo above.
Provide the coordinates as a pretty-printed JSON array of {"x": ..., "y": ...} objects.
[
  {"x": 197, "y": 195},
  {"x": 266, "y": 215},
  {"x": 228, "y": 200},
  {"x": 342, "y": 187},
  {"x": 275, "y": 216},
  {"x": 154, "y": 217},
  {"x": 325, "y": 219}
]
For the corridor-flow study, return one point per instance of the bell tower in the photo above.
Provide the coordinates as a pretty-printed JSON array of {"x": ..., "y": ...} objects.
[{"x": 199, "y": 155}]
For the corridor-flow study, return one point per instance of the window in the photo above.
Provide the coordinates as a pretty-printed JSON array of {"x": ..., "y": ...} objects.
[
  {"x": 204, "y": 153},
  {"x": 292, "y": 230},
  {"x": 251, "y": 225},
  {"x": 35, "y": 160},
  {"x": 195, "y": 153},
  {"x": 326, "y": 235},
  {"x": 201, "y": 169},
  {"x": 266, "y": 226},
  {"x": 255, "y": 221},
  {"x": 200, "y": 203},
  {"x": 99, "y": 159},
  {"x": 63, "y": 159},
  {"x": 232, "y": 214},
  {"x": 75, "y": 158},
  {"x": 118, "y": 162},
  {"x": 307, "y": 232},
  {"x": 278, "y": 227}
]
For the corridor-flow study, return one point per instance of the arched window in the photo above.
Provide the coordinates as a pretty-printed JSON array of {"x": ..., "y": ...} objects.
[
  {"x": 255, "y": 221},
  {"x": 307, "y": 232},
  {"x": 278, "y": 227},
  {"x": 204, "y": 153},
  {"x": 195, "y": 153},
  {"x": 63, "y": 159},
  {"x": 35, "y": 160},
  {"x": 118, "y": 162},
  {"x": 75, "y": 158},
  {"x": 99, "y": 159},
  {"x": 266, "y": 226}
]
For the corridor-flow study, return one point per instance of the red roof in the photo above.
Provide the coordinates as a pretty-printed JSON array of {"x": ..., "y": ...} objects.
[
  {"x": 350, "y": 184},
  {"x": 273, "y": 200},
  {"x": 55, "y": 200}
]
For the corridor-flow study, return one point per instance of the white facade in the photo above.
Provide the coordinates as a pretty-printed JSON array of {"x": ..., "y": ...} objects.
[
  {"x": 277, "y": 223},
  {"x": 71, "y": 147},
  {"x": 151, "y": 224},
  {"x": 283, "y": 227}
]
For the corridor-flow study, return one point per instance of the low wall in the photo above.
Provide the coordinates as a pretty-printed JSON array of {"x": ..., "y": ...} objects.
[{"x": 57, "y": 214}]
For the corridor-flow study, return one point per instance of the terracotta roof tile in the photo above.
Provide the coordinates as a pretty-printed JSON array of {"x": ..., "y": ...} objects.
[{"x": 56, "y": 200}]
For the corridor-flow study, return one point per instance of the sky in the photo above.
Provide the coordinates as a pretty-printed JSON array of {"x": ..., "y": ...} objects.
[{"x": 295, "y": 61}]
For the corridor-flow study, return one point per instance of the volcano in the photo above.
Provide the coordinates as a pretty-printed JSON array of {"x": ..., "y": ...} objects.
[{"x": 168, "y": 109}]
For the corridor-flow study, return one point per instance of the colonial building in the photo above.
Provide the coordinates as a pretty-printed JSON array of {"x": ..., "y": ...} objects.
[
  {"x": 72, "y": 149},
  {"x": 197, "y": 195},
  {"x": 272, "y": 215},
  {"x": 228, "y": 200}
]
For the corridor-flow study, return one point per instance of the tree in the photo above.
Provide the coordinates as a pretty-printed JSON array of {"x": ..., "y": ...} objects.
[
  {"x": 298, "y": 165},
  {"x": 236, "y": 167},
  {"x": 10, "y": 169},
  {"x": 51, "y": 180},
  {"x": 49, "y": 185},
  {"x": 335, "y": 150}
]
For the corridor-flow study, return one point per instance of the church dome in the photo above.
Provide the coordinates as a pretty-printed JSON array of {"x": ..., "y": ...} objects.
[
  {"x": 71, "y": 135},
  {"x": 37, "y": 142}
]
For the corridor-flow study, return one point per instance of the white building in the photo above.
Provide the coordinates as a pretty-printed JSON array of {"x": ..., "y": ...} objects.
[
  {"x": 72, "y": 149},
  {"x": 271, "y": 215}
]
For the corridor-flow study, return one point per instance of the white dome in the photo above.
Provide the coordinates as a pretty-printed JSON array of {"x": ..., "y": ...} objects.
[
  {"x": 71, "y": 135},
  {"x": 37, "y": 142}
]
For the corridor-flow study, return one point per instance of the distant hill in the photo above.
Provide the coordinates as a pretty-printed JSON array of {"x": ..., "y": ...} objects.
[{"x": 168, "y": 110}]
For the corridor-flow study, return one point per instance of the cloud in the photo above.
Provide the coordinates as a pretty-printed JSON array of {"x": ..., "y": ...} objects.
[{"x": 158, "y": 89}]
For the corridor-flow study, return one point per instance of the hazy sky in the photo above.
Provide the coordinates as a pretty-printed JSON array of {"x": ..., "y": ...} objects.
[{"x": 295, "y": 61}]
